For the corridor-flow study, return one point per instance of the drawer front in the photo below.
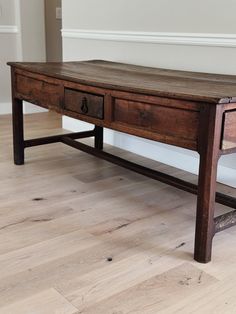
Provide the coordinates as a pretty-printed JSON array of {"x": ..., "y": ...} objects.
[
  {"x": 167, "y": 121},
  {"x": 84, "y": 103},
  {"x": 229, "y": 130},
  {"x": 37, "y": 91}
]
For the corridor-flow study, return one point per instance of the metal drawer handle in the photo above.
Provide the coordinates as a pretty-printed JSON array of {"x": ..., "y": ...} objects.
[{"x": 84, "y": 106}]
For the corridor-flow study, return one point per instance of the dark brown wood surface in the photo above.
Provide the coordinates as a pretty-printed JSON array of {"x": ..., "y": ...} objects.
[
  {"x": 168, "y": 120},
  {"x": 35, "y": 90},
  {"x": 210, "y": 88},
  {"x": 89, "y": 104},
  {"x": 209, "y": 143},
  {"x": 173, "y": 122},
  {"x": 229, "y": 132}
]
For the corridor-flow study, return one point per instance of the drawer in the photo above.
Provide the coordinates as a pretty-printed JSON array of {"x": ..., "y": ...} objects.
[
  {"x": 37, "y": 91},
  {"x": 84, "y": 103},
  {"x": 169, "y": 122},
  {"x": 229, "y": 130}
]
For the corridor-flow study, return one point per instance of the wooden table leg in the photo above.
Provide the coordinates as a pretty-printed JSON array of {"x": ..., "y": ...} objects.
[
  {"x": 205, "y": 210},
  {"x": 18, "y": 131},
  {"x": 98, "y": 142},
  {"x": 209, "y": 148}
]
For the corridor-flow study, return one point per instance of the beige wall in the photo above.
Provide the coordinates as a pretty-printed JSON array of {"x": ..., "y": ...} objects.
[
  {"x": 212, "y": 20},
  {"x": 7, "y": 10},
  {"x": 208, "y": 16},
  {"x": 53, "y": 31},
  {"x": 32, "y": 28},
  {"x": 8, "y": 50},
  {"x": 22, "y": 38}
]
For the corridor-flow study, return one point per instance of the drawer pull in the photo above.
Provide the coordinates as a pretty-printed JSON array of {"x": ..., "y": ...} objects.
[
  {"x": 84, "y": 103},
  {"x": 84, "y": 106}
]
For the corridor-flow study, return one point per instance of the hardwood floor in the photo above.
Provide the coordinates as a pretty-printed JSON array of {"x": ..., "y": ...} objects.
[{"x": 80, "y": 235}]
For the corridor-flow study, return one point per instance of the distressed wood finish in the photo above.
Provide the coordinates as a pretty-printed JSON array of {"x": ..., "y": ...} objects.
[
  {"x": 84, "y": 103},
  {"x": 225, "y": 221},
  {"x": 185, "y": 109},
  {"x": 210, "y": 128},
  {"x": 177, "y": 123},
  {"x": 46, "y": 94},
  {"x": 58, "y": 138},
  {"x": 204, "y": 87},
  {"x": 182, "y": 115},
  {"x": 229, "y": 135}
]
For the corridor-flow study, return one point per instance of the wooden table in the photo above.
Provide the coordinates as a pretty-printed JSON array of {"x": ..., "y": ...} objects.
[{"x": 192, "y": 110}]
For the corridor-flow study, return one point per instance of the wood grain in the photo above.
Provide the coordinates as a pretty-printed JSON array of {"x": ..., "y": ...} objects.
[
  {"x": 71, "y": 212},
  {"x": 161, "y": 105},
  {"x": 229, "y": 133},
  {"x": 157, "y": 293},
  {"x": 78, "y": 101},
  {"x": 163, "y": 120},
  {"x": 174, "y": 84},
  {"x": 47, "y": 94},
  {"x": 47, "y": 302}
]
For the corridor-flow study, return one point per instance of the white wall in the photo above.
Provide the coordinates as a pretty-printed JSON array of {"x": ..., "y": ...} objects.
[
  {"x": 189, "y": 35},
  {"x": 32, "y": 27},
  {"x": 8, "y": 36},
  {"x": 7, "y": 12},
  {"x": 22, "y": 38},
  {"x": 32, "y": 33},
  {"x": 208, "y": 16}
]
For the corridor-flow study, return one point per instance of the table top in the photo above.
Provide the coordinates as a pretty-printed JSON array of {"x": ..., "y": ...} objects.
[{"x": 211, "y": 88}]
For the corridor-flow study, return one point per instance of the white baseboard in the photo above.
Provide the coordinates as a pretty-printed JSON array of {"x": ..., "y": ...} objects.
[{"x": 156, "y": 151}]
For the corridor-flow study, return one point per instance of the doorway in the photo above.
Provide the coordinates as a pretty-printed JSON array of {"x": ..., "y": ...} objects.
[{"x": 53, "y": 25}]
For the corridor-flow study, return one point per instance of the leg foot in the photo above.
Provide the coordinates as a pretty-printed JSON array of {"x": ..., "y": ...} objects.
[{"x": 209, "y": 145}]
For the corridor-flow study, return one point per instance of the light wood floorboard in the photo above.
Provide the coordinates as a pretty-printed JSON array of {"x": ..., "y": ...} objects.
[{"x": 80, "y": 235}]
